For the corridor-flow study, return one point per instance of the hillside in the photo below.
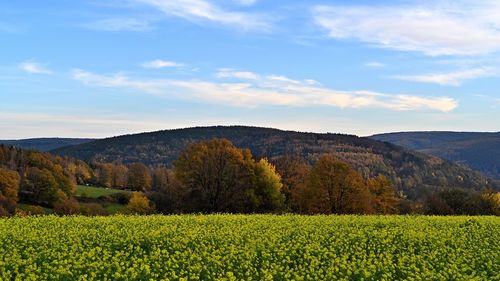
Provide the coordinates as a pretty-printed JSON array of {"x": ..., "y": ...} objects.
[
  {"x": 410, "y": 171},
  {"x": 44, "y": 144},
  {"x": 480, "y": 151}
]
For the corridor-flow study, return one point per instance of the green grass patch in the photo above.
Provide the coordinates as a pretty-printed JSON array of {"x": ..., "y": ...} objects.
[
  {"x": 114, "y": 208},
  {"x": 95, "y": 192}
]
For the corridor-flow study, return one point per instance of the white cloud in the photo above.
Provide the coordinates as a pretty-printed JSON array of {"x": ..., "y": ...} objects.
[
  {"x": 374, "y": 64},
  {"x": 463, "y": 27},
  {"x": 267, "y": 90},
  {"x": 231, "y": 73},
  {"x": 120, "y": 24},
  {"x": 120, "y": 81},
  {"x": 205, "y": 11},
  {"x": 450, "y": 79},
  {"x": 157, "y": 64},
  {"x": 34, "y": 68}
]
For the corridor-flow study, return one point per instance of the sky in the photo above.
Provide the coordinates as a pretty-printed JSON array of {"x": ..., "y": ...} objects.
[{"x": 89, "y": 68}]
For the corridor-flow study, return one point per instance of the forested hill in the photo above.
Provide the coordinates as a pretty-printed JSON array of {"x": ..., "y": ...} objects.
[
  {"x": 410, "y": 171},
  {"x": 480, "y": 151},
  {"x": 44, "y": 144}
]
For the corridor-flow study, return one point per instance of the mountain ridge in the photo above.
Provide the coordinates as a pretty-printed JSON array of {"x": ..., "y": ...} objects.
[
  {"x": 409, "y": 170},
  {"x": 478, "y": 150},
  {"x": 45, "y": 144}
]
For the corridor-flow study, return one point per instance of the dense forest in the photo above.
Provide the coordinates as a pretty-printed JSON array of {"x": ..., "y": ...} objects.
[
  {"x": 217, "y": 176},
  {"x": 412, "y": 173},
  {"x": 44, "y": 144},
  {"x": 479, "y": 151}
]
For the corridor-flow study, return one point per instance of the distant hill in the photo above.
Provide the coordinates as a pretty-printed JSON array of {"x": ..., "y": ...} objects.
[
  {"x": 410, "y": 171},
  {"x": 44, "y": 144},
  {"x": 480, "y": 151}
]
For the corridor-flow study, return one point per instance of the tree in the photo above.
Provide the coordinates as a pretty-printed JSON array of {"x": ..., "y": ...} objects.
[
  {"x": 139, "y": 177},
  {"x": 104, "y": 174},
  {"x": 167, "y": 193},
  {"x": 139, "y": 204},
  {"x": 9, "y": 187},
  {"x": 41, "y": 186},
  {"x": 83, "y": 173},
  {"x": 333, "y": 187},
  {"x": 293, "y": 171},
  {"x": 266, "y": 194},
  {"x": 120, "y": 176},
  {"x": 384, "y": 199},
  {"x": 217, "y": 176}
]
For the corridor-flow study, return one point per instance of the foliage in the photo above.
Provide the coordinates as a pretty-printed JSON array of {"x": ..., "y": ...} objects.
[
  {"x": 139, "y": 204},
  {"x": 139, "y": 177},
  {"x": 384, "y": 198},
  {"x": 410, "y": 172},
  {"x": 250, "y": 247},
  {"x": 480, "y": 151},
  {"x": 333, "y": 187},
  {"x": 9, "y": 187},
  {"x": 222, "y": 178},
  {"x": 266, "y": 194}
]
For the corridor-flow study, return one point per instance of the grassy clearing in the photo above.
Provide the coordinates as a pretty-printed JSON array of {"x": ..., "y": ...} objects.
[{"x": 95, "y": 192}]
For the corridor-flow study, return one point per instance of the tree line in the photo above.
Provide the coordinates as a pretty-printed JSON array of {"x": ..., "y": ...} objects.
[{"x": 217, "y": 177}]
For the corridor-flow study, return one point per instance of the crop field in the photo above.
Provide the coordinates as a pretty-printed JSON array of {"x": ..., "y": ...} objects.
[{"x": 250, "y": 247}]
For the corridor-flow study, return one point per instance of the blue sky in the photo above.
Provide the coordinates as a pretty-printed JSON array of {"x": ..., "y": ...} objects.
[{"x": 102, "y": 68}]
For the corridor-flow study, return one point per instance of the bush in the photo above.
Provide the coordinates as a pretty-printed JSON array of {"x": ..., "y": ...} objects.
[
  {"x": 92, "y": 209},
  {"x": 67, "y": 207}
]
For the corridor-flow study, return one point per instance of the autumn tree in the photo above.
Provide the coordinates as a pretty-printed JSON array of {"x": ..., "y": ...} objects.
[
  {"x": 384, "y": 198},
  {"x": 293, "y": 172},
  {"x": 9, "y": 187},
  {"x": 139, "y": 177},
  {"x": 167, "y": 193},
  {"x": 265, "y": 194},
  {"x": 333, "y": 187},
  {"x": 217, "y": 176},
  {"x": 45, "y": 187},
  {"x": 104, "y": 174},
  {"x": 120, "y": 176},
  {"x": 139, "y": 204}
]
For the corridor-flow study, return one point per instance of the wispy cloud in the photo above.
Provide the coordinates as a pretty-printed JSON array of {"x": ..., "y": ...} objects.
[
  {"x": 257, "y": 90},
  {"x": 450, "y": 79},
  {"x": 120, "y": 24},
  {"x": 374, "y": 64},
  {"x": 157, "y": 64},
  {"x": 231, "y": 73},
  {"x": 207, "y": 11},
  {"x": 245, "y": 2},
  {"x": 442, "y": 27},
  {"x": 34, "y": 68},
  {"x": 149, "y": 86}
]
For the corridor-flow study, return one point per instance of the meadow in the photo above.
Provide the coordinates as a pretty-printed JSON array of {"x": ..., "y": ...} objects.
[
  {"x": 95, "y": 192},
  {"x": 249, "y": 247}
]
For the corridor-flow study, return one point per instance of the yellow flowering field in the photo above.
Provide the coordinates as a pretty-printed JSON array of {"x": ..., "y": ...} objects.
[{"x": 250, "y": 247}]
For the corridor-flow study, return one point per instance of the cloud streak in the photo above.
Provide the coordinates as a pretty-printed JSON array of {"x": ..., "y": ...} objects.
[
  {"x": 158, "y": 64},
  {"x": 462, "y": 27},
  {"x": 253, "y": 90},
  {"x": 206, "y": 11},
  {"x": 120, "y": 24},
  {"x": 450, "y": 79},
  {"x": 33, "y": 68}
]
